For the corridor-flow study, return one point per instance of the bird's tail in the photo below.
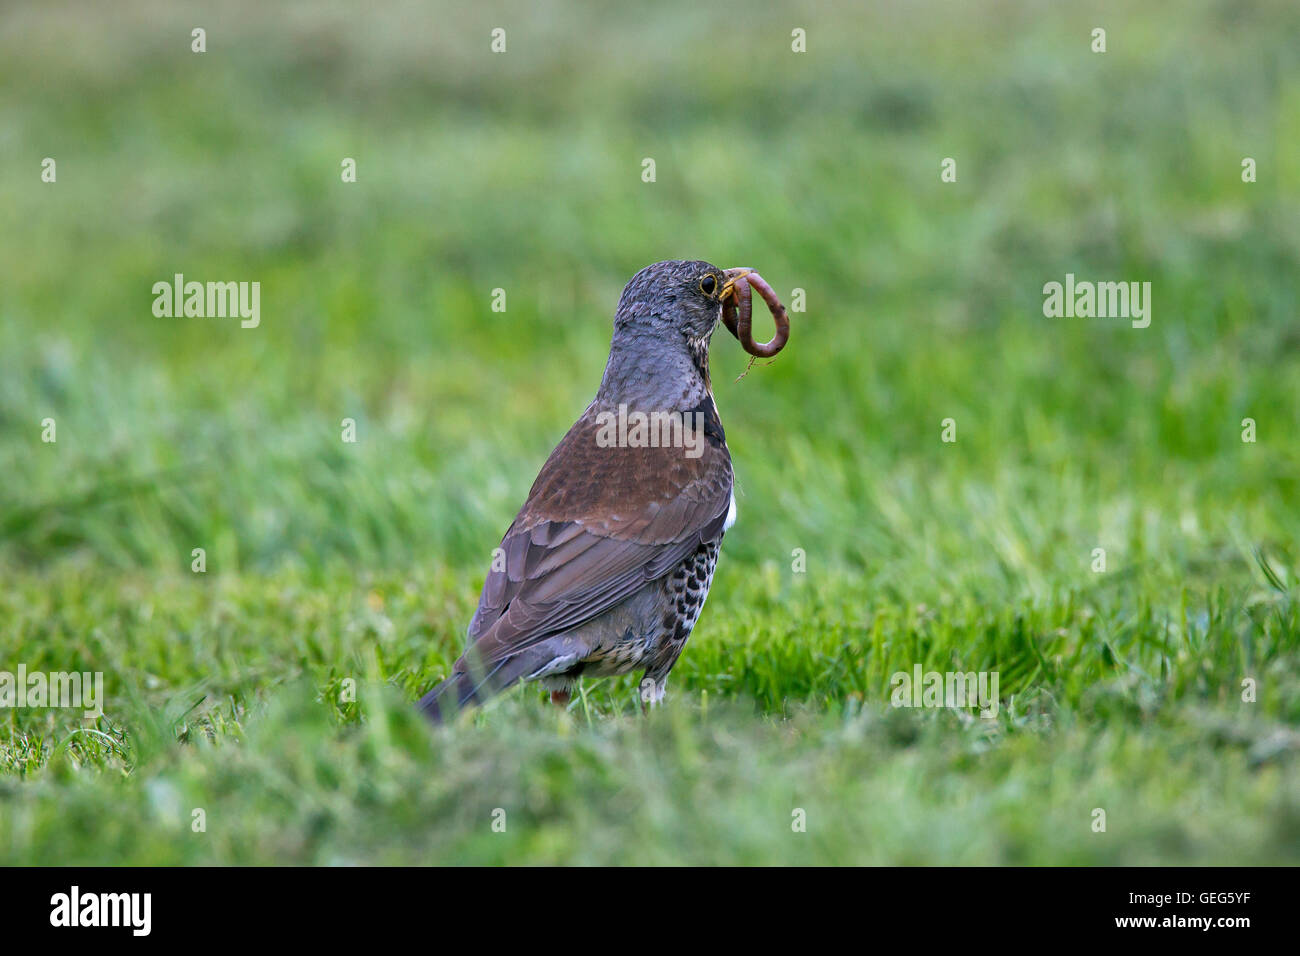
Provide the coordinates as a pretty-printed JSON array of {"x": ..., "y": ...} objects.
[{"x": 473, "y": 685}]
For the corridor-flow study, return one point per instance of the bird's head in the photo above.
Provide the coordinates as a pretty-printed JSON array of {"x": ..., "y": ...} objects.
[
  {"x": 676, "y": 299},
  {"x": 665, "y": 319}
]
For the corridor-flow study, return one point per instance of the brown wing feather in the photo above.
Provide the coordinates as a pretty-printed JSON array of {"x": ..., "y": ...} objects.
[{"x": 598, "y": 524}]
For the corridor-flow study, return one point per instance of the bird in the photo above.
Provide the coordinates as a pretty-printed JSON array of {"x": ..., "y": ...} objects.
[{"x": 607, "y": 565}]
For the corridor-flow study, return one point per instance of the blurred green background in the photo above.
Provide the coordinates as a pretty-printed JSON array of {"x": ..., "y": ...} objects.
[{"x": 329, "y": 562}]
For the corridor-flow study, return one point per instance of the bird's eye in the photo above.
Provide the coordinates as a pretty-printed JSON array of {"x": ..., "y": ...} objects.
[{"x": 708, "y": 284}]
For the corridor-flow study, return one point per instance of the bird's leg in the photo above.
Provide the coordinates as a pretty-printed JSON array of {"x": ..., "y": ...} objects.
[
  {"x": 560, "y": 698},
  {"x": 652, "y": 693}
]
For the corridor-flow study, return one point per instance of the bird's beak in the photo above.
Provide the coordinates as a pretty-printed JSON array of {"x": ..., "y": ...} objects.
[{"x": 729, "y": 287}]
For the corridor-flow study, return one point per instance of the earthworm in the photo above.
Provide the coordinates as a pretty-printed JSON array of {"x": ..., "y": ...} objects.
[{"x": 737, "y": 315}]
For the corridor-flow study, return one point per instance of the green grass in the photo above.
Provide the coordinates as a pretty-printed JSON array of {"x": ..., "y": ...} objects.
[{"x": 330, "y": 563}]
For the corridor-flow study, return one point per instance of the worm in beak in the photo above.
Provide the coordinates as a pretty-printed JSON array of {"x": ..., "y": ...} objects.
[{"x": 737, "y": 312}]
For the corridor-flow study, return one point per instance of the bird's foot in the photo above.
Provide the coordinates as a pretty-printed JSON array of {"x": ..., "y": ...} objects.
[{"x": 652, "y": 692}]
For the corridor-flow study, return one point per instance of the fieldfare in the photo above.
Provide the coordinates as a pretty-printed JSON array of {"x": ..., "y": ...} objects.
[{"x": 607, "y": 565}]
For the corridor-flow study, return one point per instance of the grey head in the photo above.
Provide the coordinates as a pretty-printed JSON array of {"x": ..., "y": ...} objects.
[{"x": 659, "y": 357}]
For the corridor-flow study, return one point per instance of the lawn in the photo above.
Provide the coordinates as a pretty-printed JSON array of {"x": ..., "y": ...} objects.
[{"x": 261, "y": 710}]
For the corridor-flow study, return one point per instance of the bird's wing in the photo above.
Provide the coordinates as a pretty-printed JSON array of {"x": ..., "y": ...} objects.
[{"x": 598, "y": 524}]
